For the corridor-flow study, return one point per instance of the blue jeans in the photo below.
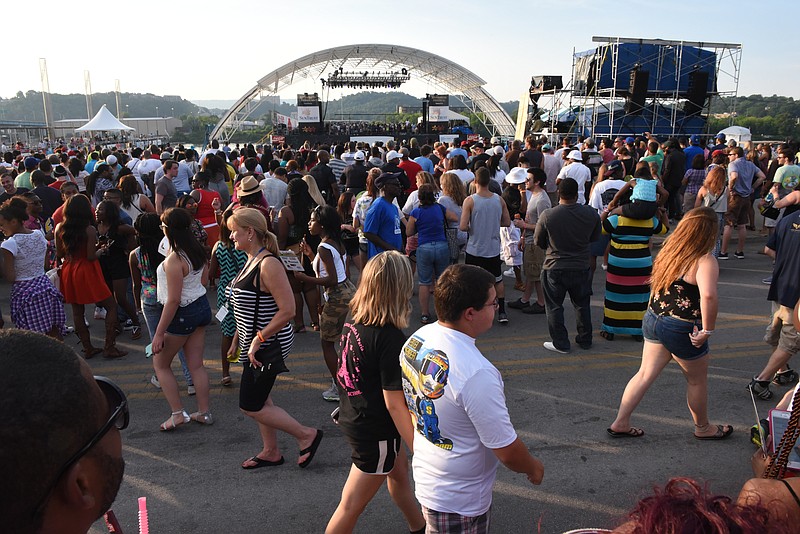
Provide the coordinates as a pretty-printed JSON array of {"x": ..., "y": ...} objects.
[
  {"x": 152, "y": 314},
  {"x": 432, "y": 259},
  {"x": 673, "y": 333},
  {"x": 557, "y": 283}
]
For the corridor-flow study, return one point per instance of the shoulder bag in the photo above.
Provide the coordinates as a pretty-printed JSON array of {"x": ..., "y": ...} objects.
[{"x": 270, "y": 355}]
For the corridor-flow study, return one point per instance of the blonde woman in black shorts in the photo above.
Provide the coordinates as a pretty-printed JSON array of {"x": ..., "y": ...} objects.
[{"x": 372, "y": 411}]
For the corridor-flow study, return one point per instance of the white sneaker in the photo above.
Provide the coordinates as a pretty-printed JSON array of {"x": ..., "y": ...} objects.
[
  {"x": 155, "y": 382},
  {"x": 191, "y": 391},
  {"x": 549, "y": 346},
  {"x": 99, "y": 313},
  {"x": 509, "y": 273},
  {"x": 331, "y": 394}
]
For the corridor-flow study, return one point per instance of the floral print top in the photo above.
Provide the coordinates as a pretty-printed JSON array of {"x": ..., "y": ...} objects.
[{"x": 680, "y": 300}]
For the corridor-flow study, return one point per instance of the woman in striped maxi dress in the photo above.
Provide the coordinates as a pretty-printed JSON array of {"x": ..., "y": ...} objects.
[{"x": 630, "y": 264}]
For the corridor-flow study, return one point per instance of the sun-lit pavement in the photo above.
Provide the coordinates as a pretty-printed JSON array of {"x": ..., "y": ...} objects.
[{"x": 560, "y": 405}]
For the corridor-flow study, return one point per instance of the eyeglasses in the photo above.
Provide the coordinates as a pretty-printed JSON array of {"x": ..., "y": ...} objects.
[
  {"x": 120, "y": 417},
  {"x": 493, "y": 303}
]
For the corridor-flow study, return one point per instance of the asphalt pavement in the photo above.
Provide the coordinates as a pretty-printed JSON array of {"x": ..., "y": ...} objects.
[{"x": 560, "y": 406}]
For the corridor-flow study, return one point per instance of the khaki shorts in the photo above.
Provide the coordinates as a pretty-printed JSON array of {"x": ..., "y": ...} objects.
[
  {"x": 780, "y": 331},
  {"x": 334, "y": 312},
  {"x": 737, "y": 213},
  {"x": 532, "y": 261}
]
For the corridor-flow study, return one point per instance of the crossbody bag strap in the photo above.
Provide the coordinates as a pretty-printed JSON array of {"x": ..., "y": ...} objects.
[{"x": 257, "y": 285}]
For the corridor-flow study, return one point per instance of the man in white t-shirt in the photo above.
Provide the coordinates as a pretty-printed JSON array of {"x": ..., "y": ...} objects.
[
  {"x": 458, "y": 408},
  {"x": 579, "y": 172}
]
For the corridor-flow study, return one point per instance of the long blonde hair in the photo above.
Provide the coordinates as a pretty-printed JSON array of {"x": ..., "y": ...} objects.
[
  {"x": 384, "y": 292},
  {"x": 453, "y": 187},
  {"x": 694, "y": 237},
  {"x": 253, "y": 218},
  {"x": 313, "y": 190}
]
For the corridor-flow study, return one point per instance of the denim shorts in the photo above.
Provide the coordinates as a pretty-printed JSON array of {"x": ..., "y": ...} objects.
[
  {"x": 432, "y": 258},
  {"x": 673, "y": 334},
  {"x": 190, "y": 317}
]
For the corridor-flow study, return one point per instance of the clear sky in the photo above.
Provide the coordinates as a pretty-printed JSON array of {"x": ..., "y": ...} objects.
[{"x": 218, "y": 50}]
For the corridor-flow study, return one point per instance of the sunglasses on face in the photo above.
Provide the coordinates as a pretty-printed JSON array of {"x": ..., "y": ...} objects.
[{"x": 119, "y": 419}]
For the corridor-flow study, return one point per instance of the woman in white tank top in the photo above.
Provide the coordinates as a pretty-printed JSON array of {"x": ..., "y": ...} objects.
[
  {"x": 181, "y": 280},
  {"x": 330, "y": 267}
]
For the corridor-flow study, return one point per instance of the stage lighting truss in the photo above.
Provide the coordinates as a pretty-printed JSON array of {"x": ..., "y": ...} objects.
[{"x": 366, "y": 80}]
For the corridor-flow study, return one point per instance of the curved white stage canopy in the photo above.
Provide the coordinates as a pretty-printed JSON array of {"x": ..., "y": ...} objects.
[{"x": 436, "y": 71}]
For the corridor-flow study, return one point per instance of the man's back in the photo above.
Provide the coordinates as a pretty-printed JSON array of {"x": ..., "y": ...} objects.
[
  {"x": 484, "y": 225},
  {"x": 567, "y": 229}
]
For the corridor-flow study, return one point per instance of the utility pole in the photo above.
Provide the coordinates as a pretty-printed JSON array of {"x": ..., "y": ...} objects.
[
  {"x": 87, "y": 81},
  {"x": 46, "y": 101},
  {"x": 116, "y": 92}
]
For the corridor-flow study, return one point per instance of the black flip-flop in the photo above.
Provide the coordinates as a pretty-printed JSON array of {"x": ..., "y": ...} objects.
[
  {"x": 722, "y": 433},
  {"x": 311, "y": 451},
  {"x": 262, "y": 463},
  {"x": 632, "y": 433}
]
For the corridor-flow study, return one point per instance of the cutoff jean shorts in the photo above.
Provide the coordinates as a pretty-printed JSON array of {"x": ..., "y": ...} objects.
[{"x": 673, "y": 333}]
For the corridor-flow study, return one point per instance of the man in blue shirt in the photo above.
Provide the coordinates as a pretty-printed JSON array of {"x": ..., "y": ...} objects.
[
  {"x": 382, "y": 224},
  {"x": 692, "y": 150},
  {"x": 741, "y": 174},
  {"x": 424, "y": 160},
  {"x": 783, "y": 247}
]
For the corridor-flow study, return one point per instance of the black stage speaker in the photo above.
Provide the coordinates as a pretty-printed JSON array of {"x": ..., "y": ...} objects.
[
  {"x": 637, "y": 91},
  {"x": 697, "y": 93},
  {"x": 424, "y": 124}
]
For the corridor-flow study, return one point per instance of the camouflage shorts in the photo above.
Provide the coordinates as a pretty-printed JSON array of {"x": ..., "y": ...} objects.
[{"x": 334, "y": 313}]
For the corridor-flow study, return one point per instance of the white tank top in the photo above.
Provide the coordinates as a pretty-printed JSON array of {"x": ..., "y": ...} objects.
[
  {"x": 338, "y": 262},
  {"x": 192, "y": 284}
]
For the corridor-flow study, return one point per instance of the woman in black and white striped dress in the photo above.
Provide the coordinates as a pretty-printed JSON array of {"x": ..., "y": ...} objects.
[{"x": 263, "y": 305}]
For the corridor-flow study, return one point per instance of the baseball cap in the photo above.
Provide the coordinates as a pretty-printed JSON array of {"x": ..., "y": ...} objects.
[
  {"x": 165, "y": 156},
  {"x": 614, "y": 165},
  {"x": 576, "y": 155},
  {"x": 498, "y": 150},
  {"x": 387, "y": 177},
  {"x": 111, "y": 159},
  {"x": 31, "y": 162},
  {"x": 695, "y": 139},
  {"x": 392, "y": 154},
  {"x": 720, "y": 136},
  {"x": 359, "y": 156},
  {"x": 629, "y": 140},
  {"x": 546, "y": 147}
]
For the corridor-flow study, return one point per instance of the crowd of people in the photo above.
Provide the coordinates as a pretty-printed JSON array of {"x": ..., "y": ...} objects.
[{"x": 343, "y": 231}]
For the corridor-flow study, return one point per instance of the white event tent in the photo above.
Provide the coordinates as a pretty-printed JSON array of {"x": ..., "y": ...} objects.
[
  {"x": 740, "y": 134},
  {"x": 104, "y": 121}
]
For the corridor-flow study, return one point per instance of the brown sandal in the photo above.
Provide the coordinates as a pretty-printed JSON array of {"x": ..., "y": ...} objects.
[
  {"x": 114, "y": 352},
  {"x": 90, "y": 353}
]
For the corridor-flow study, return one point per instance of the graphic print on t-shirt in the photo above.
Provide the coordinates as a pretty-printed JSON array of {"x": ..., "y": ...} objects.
[
  {"x": 354, "y": 347},
  {"x": 424, "y": 380}
]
